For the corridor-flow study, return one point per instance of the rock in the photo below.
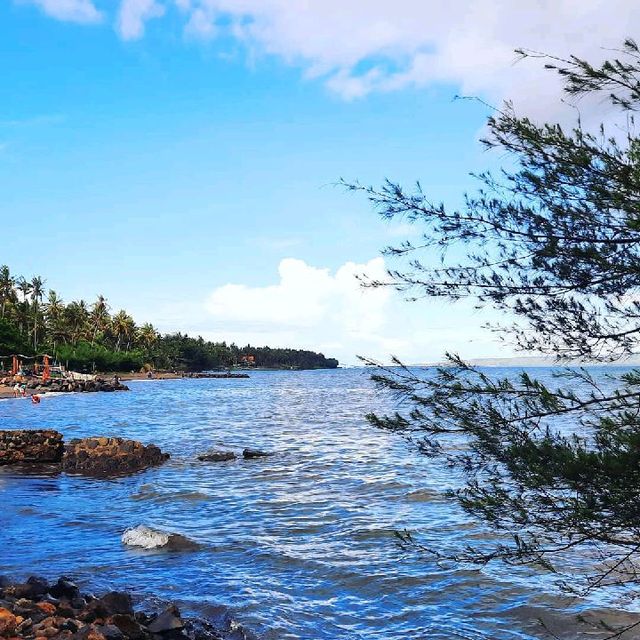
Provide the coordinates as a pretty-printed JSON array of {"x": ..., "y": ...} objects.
[
  {"x": 64, "y": 588},
  {"x": 110, "y": 631},
  {"x": 148, "y": 538},
  {"x": 110, "y": 456},
  {"x": 129, "y": 626},
  {"x": 248, "y": 454},
  {"x": 90, "y": 632},
  {"x": 116, "y": 602},
  {"x": 217, "y": 456},
  {"x": 30, "y": 445},
  {"x": 8, "y": 622},
  {"x": 47, "y": 607},
  {"x": 167, "y": 621}
]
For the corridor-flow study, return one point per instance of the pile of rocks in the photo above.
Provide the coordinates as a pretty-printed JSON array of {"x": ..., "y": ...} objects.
[
  {"x": 110, "y": 456},
  {"x": 98, "y": 384},
  {"x": 88, "y": 456},
  {"x": 37, "y": 610},
  {"x": 21, "y": 446}
]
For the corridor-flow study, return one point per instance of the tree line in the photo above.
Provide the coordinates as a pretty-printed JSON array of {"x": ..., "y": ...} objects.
[{"x": 88, "y": 336}]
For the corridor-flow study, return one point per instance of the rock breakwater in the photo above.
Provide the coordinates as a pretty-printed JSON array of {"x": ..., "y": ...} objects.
[
  {"x": 76, "y": 386},
  {"x": 26, "y": 446},
  {"x": 87, "y": 456}
]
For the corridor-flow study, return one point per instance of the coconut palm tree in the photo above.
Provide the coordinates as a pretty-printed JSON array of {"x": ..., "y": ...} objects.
[
  {"x": 147, "y": 335},
  {"x": 23, "y": 307},
  {"x": 99, "y": 317},
  {"x": 77, "y": 318},
  {"x": 37, "y": 292},
  {"x": 124, "y": 329},
  {"x": 7, "y": 292},
  {"x": 54, "y": 318}
]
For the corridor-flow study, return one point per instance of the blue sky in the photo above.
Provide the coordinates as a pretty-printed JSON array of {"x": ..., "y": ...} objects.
[{"x": 173, "y": 162}]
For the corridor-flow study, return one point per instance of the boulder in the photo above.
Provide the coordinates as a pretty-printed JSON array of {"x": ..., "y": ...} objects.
[
  {"x": 64, "y": 588},
  {"x": 30, "y": 445},
  {"x": 248, "y": 454},
  {"x": 148, "y": 538},
  {"x": 169, "y": 620},
  {"x": 217, "y": 456},
  {"x": 110, "y": 456}
]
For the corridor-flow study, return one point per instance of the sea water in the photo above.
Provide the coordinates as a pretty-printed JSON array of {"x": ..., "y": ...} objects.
[{"x": 298, "y": 545}]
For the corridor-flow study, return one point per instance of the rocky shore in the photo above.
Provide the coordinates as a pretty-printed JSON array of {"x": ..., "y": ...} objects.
[{"x": 39, "y": 610}]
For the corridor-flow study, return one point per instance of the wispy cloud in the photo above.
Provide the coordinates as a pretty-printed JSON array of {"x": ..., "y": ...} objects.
[
  {"x": 80, "y": 11},
  {"x": 134, "y": 14}
]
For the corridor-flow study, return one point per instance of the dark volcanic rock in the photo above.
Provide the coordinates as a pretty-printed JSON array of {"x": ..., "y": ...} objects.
[
  {"x": 248, "y": 454},
  {"x": 167, "y": 621},
  {"x": 110, "y": 456},
  {"x": 117, "y": 602},
  {"x": 64, "y": 588},
  {"x": 25, "y": 445},
  {"x": 217, "y": 456}
]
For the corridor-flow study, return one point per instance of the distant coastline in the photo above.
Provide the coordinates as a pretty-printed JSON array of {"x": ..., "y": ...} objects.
[{"x": 542, "y": 361}]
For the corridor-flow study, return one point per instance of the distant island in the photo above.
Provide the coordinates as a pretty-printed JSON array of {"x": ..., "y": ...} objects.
[
  {"x": 88, "y": 337},
  {"x": 543, "y": 361}
]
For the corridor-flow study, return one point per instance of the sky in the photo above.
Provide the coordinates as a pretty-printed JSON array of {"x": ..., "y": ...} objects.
[{"x": 181, "y": 157}]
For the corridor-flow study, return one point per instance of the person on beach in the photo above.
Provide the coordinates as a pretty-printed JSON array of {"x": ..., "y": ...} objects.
[{"x": 16, "y": 389}]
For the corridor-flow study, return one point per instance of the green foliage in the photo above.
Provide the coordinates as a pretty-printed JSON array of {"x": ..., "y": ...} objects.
[
  {"x": 11, "y": 341},
  {"x": 554, "y": 241},
  {"x": 88, "y": 338}
]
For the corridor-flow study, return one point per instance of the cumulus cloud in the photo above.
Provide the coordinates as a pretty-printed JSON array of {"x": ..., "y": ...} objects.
[
  {"x": 311, "y": 307},
  {"x": 133, "y": 15},
  {"x": 81, "y": 11}
]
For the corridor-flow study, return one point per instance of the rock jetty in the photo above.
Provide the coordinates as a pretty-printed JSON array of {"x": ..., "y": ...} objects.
[
  {"x": 102, "y": 455},
  {"x": 38, "y": 610},
  {"x": 75, "y": 386},
  {"x": 87, "y": 456},
  {"x": 27, "y": 446}
]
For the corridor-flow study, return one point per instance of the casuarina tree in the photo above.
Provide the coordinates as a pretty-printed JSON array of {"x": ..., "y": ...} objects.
[{"x": 552, "y": 240}]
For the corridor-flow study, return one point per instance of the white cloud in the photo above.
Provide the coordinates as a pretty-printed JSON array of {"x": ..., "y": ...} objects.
[
  {"x": 81, "y": 11},
  {"x": 133, "y": 15},
  {"x": 362, "y": 46},
  {"x": 310, "y": 307}
]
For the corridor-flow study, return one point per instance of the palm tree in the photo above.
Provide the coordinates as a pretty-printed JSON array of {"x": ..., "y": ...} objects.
[
  {"x": 24, "y": 287},
  {"x": 99, "y": 316},
  {"x": 37, "y": 291},
  {"x": 147, "y": 335},
  {"x": 124, "y": 328},
  {"x": 76, "y": 319},
  {"x": 54, "y": 318},
  {"x": 7, "y": 293}
]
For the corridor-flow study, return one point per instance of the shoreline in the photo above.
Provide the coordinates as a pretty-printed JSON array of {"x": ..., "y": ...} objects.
[{"x": 39, "y": 609}]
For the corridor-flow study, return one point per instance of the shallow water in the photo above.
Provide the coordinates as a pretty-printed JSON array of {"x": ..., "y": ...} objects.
[{"x": 299, "y": 545}]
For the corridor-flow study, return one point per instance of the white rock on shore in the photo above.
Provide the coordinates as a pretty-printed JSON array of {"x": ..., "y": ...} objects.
[{"x": 147, "y": 538}]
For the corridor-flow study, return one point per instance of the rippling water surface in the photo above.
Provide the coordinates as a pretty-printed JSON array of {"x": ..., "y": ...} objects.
[{"x": 298, "y": 545}]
